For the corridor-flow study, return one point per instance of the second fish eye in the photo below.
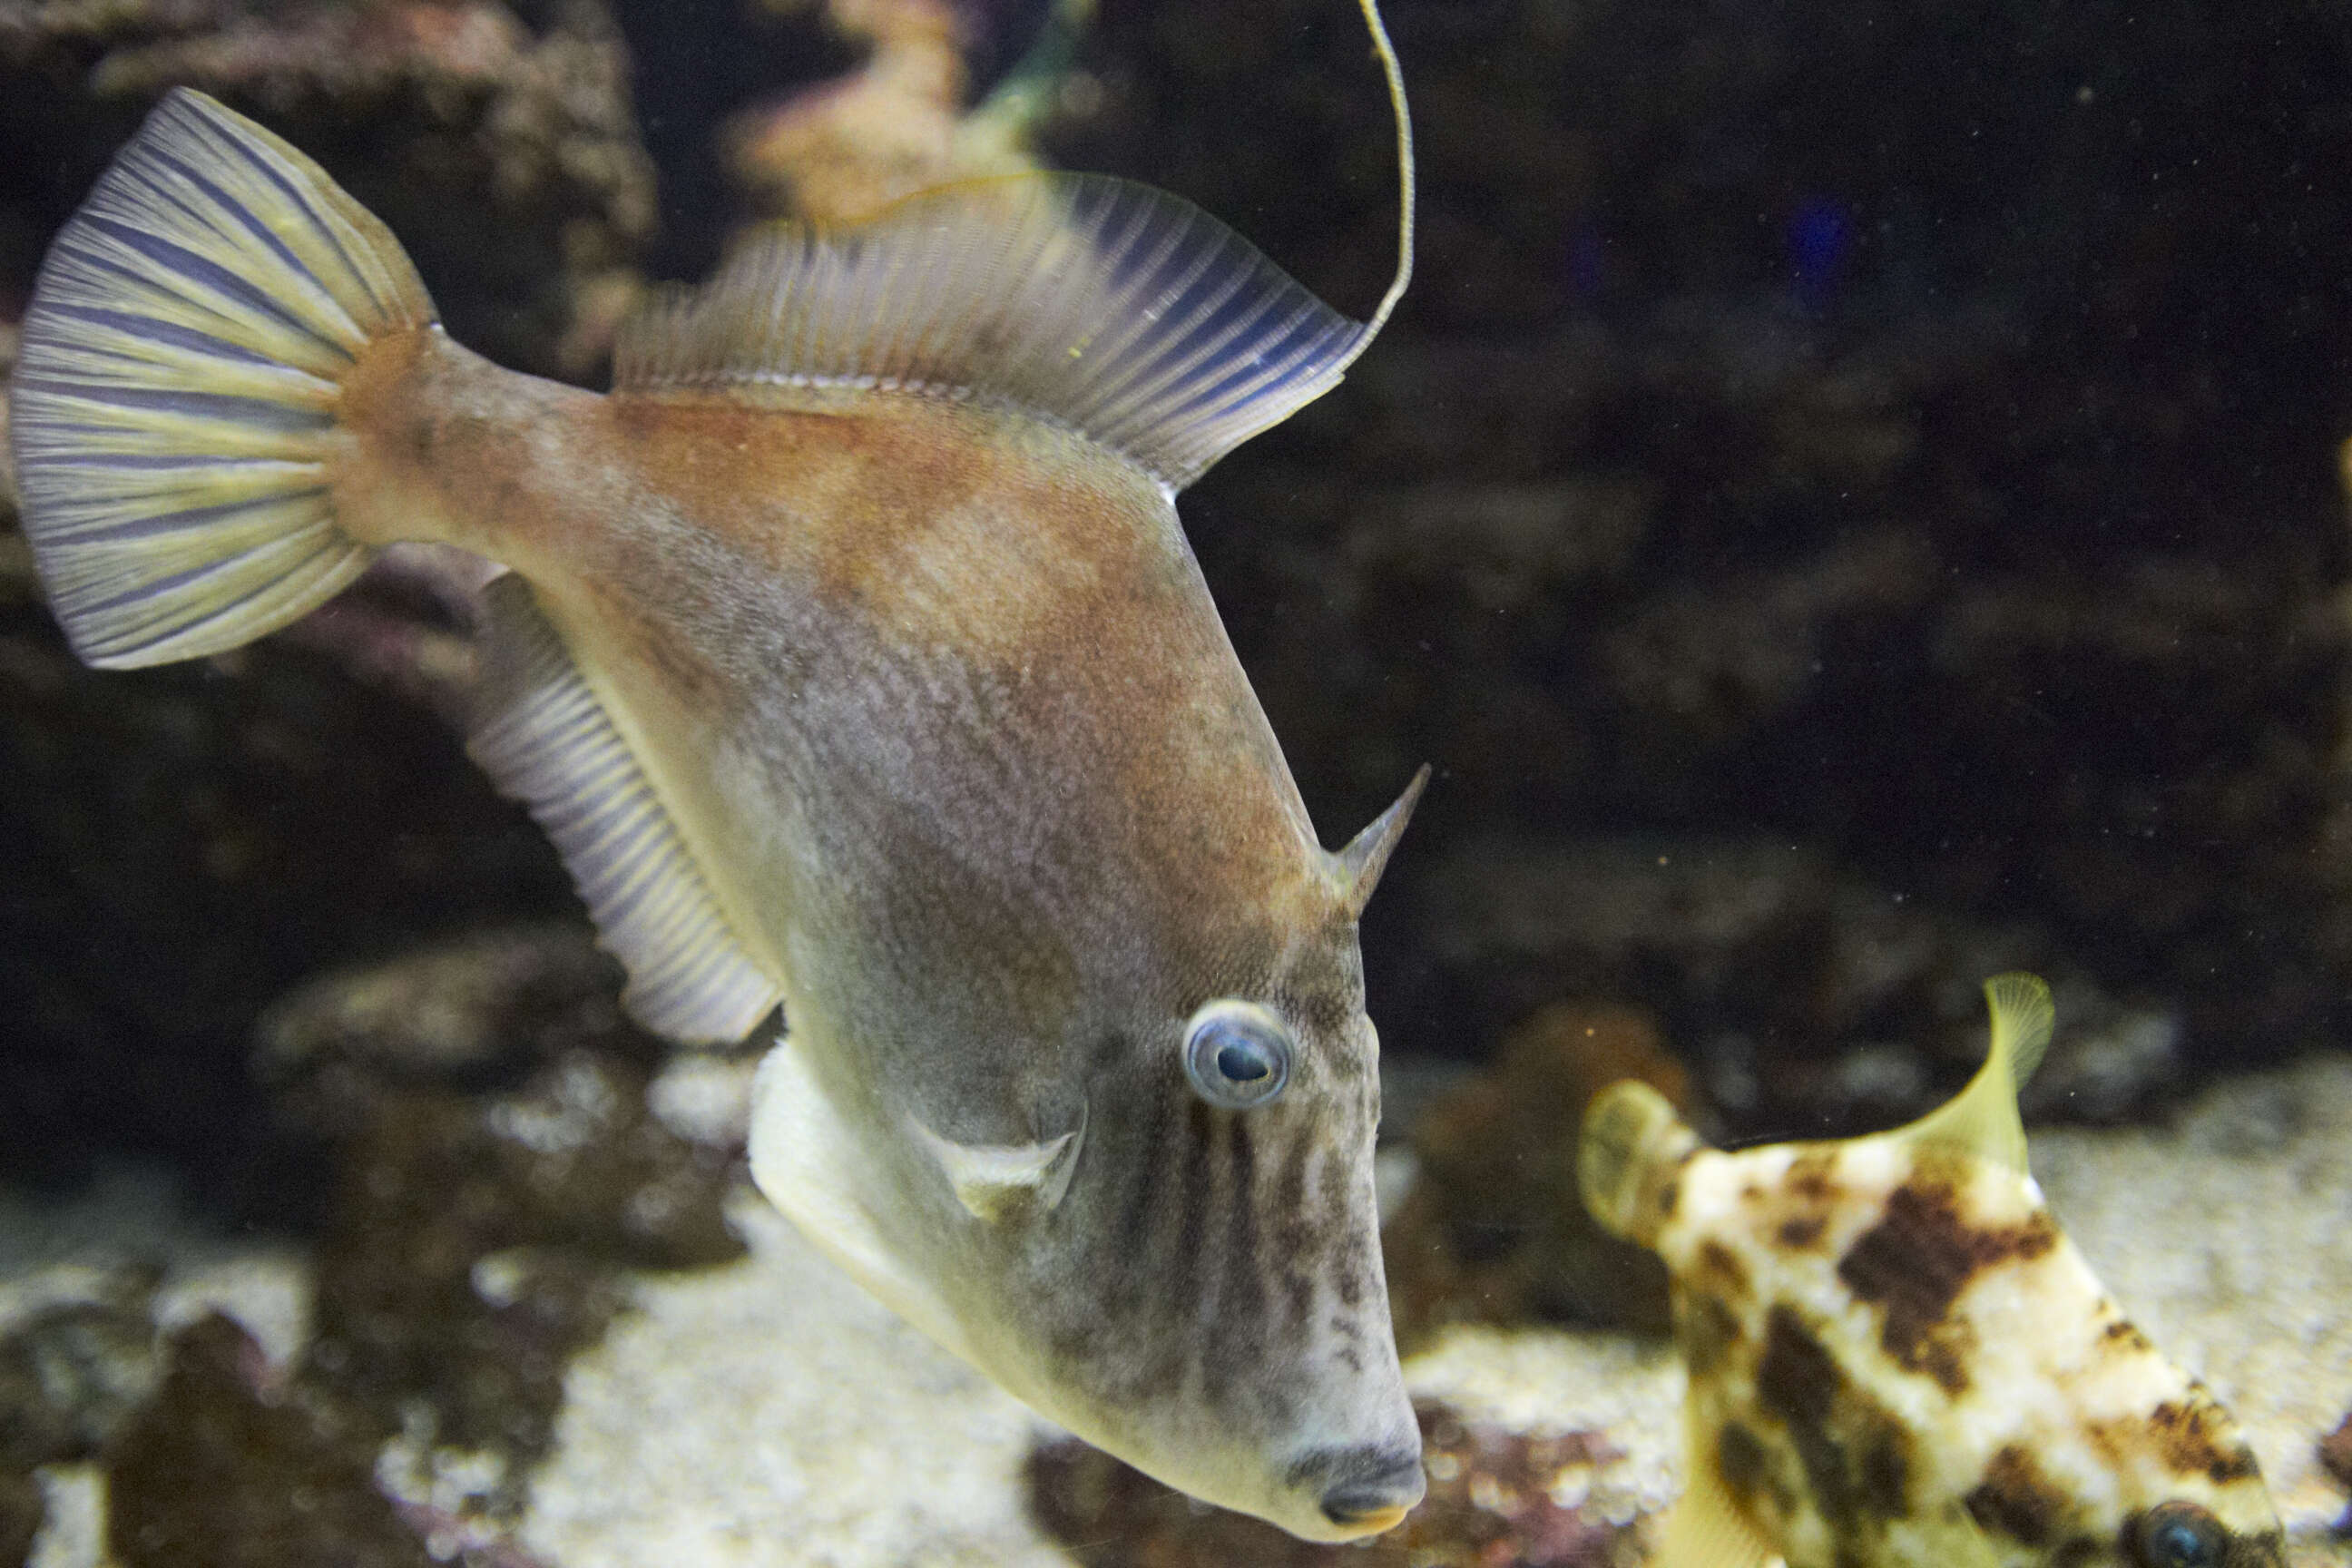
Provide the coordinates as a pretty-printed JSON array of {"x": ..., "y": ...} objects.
[
  {"x": 1236, "y": 1054},
  {"x": 2180, "y": 1535}
]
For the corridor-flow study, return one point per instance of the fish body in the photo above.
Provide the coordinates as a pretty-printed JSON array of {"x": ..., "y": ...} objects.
[
  {"x": 1897, "y": 1360},
  {"x": 851, "y": 654}
]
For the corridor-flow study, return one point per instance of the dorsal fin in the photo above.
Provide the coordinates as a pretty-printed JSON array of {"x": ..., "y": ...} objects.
[
  {"x": 1117, "y": 309},
  {"x": 1982, "y": 1120}
]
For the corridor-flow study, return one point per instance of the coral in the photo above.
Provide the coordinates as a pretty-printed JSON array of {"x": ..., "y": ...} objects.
[
  {"x": 1494, "y": 1229},
  {"x": 836, "y": 151},
  {"x": 1496, "y": 1499}
]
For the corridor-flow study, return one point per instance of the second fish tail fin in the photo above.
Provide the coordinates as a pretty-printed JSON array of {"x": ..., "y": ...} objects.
[
  {"x": 176, "y": 396},
  {"x": 1634, "y": 1141}
]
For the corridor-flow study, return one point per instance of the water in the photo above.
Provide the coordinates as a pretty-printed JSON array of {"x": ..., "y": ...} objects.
[{"x": 1849, "y": 507}]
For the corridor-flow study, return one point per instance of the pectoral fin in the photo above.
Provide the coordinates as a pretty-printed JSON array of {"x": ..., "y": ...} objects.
[{"x": 990, "y": 1179}]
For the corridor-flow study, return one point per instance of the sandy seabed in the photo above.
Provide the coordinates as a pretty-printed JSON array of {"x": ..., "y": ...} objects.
[{"x": 767, "y": 1414}]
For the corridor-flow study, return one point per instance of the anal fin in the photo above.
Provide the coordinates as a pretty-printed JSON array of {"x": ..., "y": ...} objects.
[
  {"x": 545, "y": 739},
  {"x": 1706, "y": 1529}
]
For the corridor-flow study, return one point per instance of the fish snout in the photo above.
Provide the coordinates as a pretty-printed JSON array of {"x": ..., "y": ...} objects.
[{"x": 1368, "y": 1489}]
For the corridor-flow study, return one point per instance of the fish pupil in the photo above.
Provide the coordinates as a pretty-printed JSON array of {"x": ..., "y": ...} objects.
[
  {"x": 2180, "y": 1535},
  {"x": 1243, "y": 1062}
]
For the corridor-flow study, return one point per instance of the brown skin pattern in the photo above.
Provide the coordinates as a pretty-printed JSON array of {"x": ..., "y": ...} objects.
[
  {"x": 2017, "y": 1500},
  {"x": 1856, "y": 1455},
  {"x": 1916, "y": 1262}
]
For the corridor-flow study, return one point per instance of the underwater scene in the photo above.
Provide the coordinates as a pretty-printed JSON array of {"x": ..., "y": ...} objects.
[{"x": 1175, "y": 784}]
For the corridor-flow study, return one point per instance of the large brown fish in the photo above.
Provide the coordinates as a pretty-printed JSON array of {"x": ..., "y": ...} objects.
[{"x": 852, "y": 655}]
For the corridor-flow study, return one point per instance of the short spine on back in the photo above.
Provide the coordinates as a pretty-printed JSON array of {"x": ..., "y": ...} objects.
[{"x": 174, "y": 399}]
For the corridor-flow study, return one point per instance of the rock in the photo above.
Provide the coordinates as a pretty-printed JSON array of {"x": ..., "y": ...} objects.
[
  {"x": 227, "y": 1470},
  {"x": 1785, "y": 980},
  {"x": 1495, "y": 1497},
  {"x": 70, "y": 1375},
  {"x": 22, "y": 1512},
  {"x": 487, "y": 1104},
  {"x": 476, "y": 1012},
  {"x": 504, "y": 154},
  {"x": 1493, "y": 1230}
]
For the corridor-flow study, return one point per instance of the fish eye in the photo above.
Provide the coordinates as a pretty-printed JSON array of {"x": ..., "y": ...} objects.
[
  {"x": 2180, "y": 1535},
  {"x": 1237, "y": 1054}
]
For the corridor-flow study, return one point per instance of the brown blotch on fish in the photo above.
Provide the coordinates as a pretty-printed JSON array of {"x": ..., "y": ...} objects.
[
  {"x": 1810, "y": 1177},
  {"x": 1856, "y": 1455},
  {"x": 2016, "y": 1499},
  {"x": 1706, "y": 1329},
  {"x": 1746, "y": 1464},
  {"x": 1916, "y": 1262},
  {"x": 1801, "y": 1233},
  {"x": 1717, "y": 1270},
  {"x": 2190, "y": 1439}
]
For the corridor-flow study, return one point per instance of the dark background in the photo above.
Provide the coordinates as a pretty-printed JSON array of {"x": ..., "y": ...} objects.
[{"x": 1850, "y": 504}]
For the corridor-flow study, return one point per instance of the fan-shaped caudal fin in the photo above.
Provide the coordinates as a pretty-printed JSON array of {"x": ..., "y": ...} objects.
[
  {"x": 174, "y": 402},
  {"x": 1632, "y": 1141}
]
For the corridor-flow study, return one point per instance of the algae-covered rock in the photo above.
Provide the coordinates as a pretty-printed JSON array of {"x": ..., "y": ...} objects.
[
  {"x": 1494, "y": 1229},
  {"x": 486, "y": 1106},
  {"x": 499, "y": 142},
  {"x": 1809, "y": 1001},
  {"x": 1495, "y": 1497},
  {"x": 227, "y": 1469},
  {"x": 22, "y": 1512},
  {"x": 70, "y": 1375}
]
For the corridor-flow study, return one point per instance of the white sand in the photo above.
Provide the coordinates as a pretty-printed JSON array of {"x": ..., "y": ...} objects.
[{"x": 769, "y": 1413}]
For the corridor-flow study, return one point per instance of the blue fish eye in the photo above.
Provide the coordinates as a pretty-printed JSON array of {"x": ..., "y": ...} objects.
[
  {"x": 1236, "y": 1054},
  {"x": 2180, "y": 1535}
]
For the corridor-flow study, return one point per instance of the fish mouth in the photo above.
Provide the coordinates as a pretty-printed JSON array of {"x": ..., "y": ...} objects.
[
  {"x": 1364, "y": 1521},
  {"x": 1371, "y": 1490}
]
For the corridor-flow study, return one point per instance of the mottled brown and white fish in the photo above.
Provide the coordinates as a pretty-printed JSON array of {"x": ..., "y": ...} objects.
[
  {"x": 852, "y": 655},
  {"x": 1897, "y": 1359}
]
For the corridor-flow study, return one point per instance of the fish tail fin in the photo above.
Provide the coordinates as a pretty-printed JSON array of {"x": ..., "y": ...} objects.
[
  {"x": 1982, "y": 1120},
  {"x": 1633, "y": 1143},
  {"x": 176, "y": 390}
]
